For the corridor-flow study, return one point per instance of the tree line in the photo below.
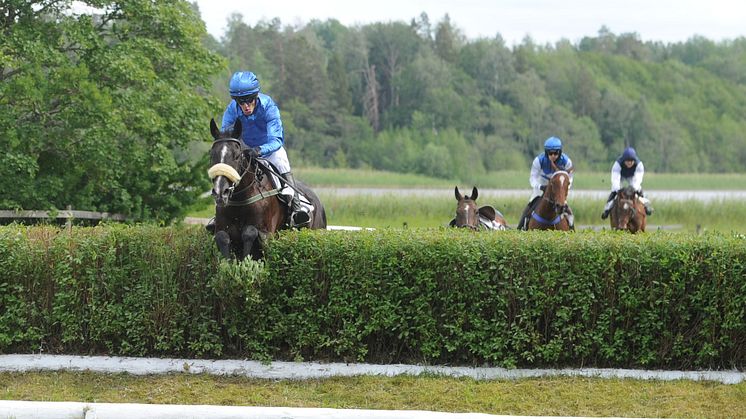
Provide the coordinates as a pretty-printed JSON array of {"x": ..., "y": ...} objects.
[
  {"x": 421, "y": 97},
  {"x": 107, "y": 110}
]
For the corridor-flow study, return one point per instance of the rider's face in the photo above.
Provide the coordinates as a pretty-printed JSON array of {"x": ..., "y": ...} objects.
[
  {"x": 247, "y": 107},
  {"x": 553, "y": 155},
  {"x": 629, "y": 163}
]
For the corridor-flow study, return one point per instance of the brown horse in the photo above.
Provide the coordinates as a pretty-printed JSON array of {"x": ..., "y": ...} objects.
[
  {"x": 628, "y": 212},
  {"x": 470, "y": 215},
  {"x": 552, "y": 211},
  {"x": 248, "y": 208}
]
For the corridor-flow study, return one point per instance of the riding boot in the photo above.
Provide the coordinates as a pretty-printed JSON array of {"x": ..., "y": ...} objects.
[
  {"x": 609, "y": 204},
  {"x": 646, "y": 202},
  {"x": 523, "y": 222},
  {"x": 298, "y": 216},
  {"x": 210, "y": 226}
]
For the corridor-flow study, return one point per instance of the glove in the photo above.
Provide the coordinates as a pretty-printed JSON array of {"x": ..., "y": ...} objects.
[
  {"x": 252, "y": 152},
  {"x": 543, "y": 188}
]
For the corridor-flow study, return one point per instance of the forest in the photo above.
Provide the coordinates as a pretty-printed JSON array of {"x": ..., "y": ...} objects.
[{"x": 109, "y": 110}]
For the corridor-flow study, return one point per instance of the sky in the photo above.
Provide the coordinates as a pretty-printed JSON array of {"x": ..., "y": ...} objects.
[{"x": 546, "y": 21}]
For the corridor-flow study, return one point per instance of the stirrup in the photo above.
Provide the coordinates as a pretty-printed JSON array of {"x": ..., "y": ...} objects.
[
  {"x": 210, "y": 226},
  {"x": 300, "y": 219}
]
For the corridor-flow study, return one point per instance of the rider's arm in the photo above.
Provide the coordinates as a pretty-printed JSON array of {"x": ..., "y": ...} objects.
[
  {"x": 229, "y": 116},
  {"x": 636, "y": 181},
  {"x": 274, "y": 128},
  {"x": 616, "y": 176},
  {"x": 569, "y": 169},
  {"x": 535, "y": 178}
]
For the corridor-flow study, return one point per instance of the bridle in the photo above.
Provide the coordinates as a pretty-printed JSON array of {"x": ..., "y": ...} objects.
[
  {"x": 468, "y": 218},
  {"x": 235, "y": 177}
]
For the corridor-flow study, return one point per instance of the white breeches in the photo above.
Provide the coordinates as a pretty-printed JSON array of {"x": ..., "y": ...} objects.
[{"x": 280, "y": 159}]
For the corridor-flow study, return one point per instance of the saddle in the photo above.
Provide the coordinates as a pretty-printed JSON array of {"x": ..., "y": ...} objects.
[{"x": 488, "y": 218}]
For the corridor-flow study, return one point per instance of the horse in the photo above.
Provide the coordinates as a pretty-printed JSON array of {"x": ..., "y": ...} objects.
[
  {"x": 628, "y": 212},
  {"x": 470, "y": 215},
  {"x": 248, "y": 207},
  {"x": 552, "y": 211}
]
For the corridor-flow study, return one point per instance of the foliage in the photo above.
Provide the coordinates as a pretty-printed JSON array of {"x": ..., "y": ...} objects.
[
  {"x": 97, "y": 109},
  {"x": 421, "y": 296},
  {"x": 443, "y": 105}
]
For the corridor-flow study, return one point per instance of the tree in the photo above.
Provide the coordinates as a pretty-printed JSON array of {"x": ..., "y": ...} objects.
[{"x": 96, "y": 110}]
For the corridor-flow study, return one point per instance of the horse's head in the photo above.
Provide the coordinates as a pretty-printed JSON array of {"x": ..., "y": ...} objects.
[
  {"x": 557, "y": 190},
  {"x": 624, "y": 210},
  {"x": 467, "y": 210},
  {"x": 227, "y": 161}
]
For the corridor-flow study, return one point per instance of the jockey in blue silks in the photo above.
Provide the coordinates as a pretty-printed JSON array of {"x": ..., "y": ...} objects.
[
  {"x": 627, "y": 168},
  {"x": 262, "y": 133},
  {"x": 542, "y": 169}
]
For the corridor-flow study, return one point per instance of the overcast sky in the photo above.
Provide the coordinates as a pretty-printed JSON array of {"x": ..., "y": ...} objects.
[{"x": 544, "y": 20}]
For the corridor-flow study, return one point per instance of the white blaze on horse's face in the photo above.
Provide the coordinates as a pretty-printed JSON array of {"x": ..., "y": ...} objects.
[{"x": 223, "y": 153}]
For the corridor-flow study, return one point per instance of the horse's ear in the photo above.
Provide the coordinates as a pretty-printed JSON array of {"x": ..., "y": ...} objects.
[
  {"x": 474, "y": 193},
  {"x": 214, "y": 129},
  {"x": 237, "y": 129},
  {"x": 458, "y": 194}
]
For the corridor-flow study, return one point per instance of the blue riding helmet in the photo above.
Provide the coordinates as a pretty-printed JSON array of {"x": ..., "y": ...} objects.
[
  {"x": 629, "y": 154},
  {"x": 553, "y": 144},
  {"x": 243, "y": 83}
]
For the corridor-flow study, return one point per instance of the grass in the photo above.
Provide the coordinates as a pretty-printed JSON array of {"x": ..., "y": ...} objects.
[
  {"x": 396, "y": 211},
  {"x": 541, "y": 396},
  {"x": 513, "y": 180}
]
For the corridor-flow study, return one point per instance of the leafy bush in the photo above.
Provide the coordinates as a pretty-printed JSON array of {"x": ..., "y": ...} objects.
[{"x": 659, "y": 300}]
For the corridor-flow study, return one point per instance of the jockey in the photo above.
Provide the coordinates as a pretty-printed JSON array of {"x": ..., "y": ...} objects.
[
  {"x": 630, "y": 169},
  {"x": 263, "y": 134},
  {"x": 542, "y": 169}
]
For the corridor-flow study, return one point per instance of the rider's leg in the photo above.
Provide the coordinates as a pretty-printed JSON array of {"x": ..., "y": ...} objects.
[
  {"x": 570, "y": 218},
  {"x": 523, "y": 222},
  {"x": 298, "y": 216},
  {"x": 646, "y": 202},
  {"x": 609, "y": 204}
]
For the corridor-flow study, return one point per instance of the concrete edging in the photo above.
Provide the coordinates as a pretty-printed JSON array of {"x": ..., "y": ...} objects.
[{"x": 315, "y": 370}]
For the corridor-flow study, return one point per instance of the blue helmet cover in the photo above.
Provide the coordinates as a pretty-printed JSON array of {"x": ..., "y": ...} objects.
[
  {"x": 553, "y": 143},
  {"x": 243, "y": 83}
]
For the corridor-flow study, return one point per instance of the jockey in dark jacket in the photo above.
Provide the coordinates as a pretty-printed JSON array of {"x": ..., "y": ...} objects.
[{"x": 627, "y": 168}]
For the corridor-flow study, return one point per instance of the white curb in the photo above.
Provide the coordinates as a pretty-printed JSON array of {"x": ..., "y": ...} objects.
[
  {"x": 68, "y": 410},
  {"x": 314, "y": 370}
]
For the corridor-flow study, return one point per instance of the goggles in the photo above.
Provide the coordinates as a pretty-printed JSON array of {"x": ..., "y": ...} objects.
[{"x": 245, "y": 99}]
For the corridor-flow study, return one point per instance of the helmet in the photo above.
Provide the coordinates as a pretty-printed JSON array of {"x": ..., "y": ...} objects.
[
  {"x": 243, "y": 83},
  {"x": 553, "y": 144},
  {"x": 629, "y": 154}
]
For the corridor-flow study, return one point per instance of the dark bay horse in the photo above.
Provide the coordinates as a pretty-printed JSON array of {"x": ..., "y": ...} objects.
[
  {"x": 628, "y": 212},
  {"x": 248, "y": 208},
  {"x": 552, "y": 211},
  {"x": 470, "y": 215}
]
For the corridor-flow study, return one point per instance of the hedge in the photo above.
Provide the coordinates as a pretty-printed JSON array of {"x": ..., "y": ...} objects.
[{"x": 438, "y": 296}]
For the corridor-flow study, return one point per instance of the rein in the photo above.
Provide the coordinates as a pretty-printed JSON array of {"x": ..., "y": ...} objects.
[{"x": 222, "y": 169}]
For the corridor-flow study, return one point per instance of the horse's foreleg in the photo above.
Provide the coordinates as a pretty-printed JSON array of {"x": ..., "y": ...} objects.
[
  {"x": 249, "y": 236},
  {"x": 223, "y": 240}
]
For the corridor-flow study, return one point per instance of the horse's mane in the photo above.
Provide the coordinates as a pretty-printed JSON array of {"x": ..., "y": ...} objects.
[{"x": 628, "y": 192}]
